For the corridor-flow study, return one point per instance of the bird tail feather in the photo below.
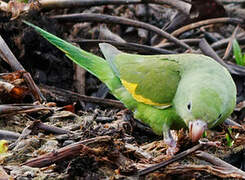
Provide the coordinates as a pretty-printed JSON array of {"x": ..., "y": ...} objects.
[{"x": 92, "y": 63}]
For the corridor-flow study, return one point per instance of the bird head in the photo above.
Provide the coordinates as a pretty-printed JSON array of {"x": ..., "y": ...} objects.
[{"x": 204, "y": 106}]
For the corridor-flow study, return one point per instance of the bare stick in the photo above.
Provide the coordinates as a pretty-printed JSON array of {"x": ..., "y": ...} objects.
[
  {"x": 169, "y": 161},
  {"x": 11, "y": 109},
  {"x": 231, "y": 171},
  {"x": 7, "y": 55},
  {"x": 37, "y": 124},
  {"x": 48, "y": 4},
  {"x": 26, "y": 131},
  {"x": 221, "y": 43},
  {"x": 78, "y": 17},
  {"x": 127, "y": 46},
  {"x": 207, "y": 22},
  {"x": 207, "y": 50},
  {"x": 8, "y": 135},
  {"x": 232, "y": 1},
  {"x": 65, "y": 152},
  {"x": 229, "y": 46},
  {"x": 189, "y": 27},
  {"x": 187, "y": 41},
  {"x": 75, "y": 96}
]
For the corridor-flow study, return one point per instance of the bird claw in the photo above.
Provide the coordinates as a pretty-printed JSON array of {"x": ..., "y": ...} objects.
[
  {"x": 171, "y": 151},
  {"x": 172, "y": 144}
]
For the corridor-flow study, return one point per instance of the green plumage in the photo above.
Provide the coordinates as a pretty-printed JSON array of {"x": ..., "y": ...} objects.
[
  {"x": 149, "y": 72},
  {"x": 191, "y": 86}
]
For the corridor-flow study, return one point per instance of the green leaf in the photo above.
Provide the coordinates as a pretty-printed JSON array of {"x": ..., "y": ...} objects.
[
  {"x": 237, "y": 53},
  {"x": 204, "y": 135},
  {"x": 229, "y": 139}
]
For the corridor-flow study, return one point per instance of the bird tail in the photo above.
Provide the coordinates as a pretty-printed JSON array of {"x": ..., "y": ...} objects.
[{"x": 92, "y": 63}]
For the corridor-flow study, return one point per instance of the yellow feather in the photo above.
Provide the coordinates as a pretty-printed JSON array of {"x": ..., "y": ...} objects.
[{"x": 131, "y": 87}]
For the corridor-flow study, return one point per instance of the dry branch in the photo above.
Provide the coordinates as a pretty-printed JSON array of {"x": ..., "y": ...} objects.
[
  {"x": 207, "y": 50},
  {"x": 8, "y": 135},
  {"x": 127, "y": 46},
  {"x": 37, "y": 124},
  {"x": 65, "y": 152},
  {"x": 221, "y": 43},
  {"x": 229, "y": 46},
  {"x": 90, "y": 17},
  {"x": 173, "y": 159},
  {"x": 221, "y": 167},
  {"x": 195, "y": 25},
  {"x": 9, "y": 57},
  {"x": 56, "y": 92},
  {"x": 180, "y": 5},
  {"x": 207, "y": 22},
  {"x": 11, "y": 109}
]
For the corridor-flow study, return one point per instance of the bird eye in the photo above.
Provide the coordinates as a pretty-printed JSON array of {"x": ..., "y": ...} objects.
[{"x": 189, "y": 106}]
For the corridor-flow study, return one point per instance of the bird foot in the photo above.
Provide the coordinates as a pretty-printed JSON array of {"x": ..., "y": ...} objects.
[
  {"x": 171, "y": 151},
  {"x": 172, "y": 144}
]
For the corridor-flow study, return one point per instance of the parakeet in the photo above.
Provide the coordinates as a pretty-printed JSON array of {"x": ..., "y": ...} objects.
[{"x": 164, "y": 91}]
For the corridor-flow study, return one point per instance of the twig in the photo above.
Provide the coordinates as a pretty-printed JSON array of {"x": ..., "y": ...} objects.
[
  {"x": 65, "y": 152},
  {"x": 187, "y": 41},
  {"x": 180, "y": 5},
  {"x": 11, "y": 109},
  {"x": 76, "y": 96},
  {"x": 78, "y": 17},
  {"x": 188, "y": 27},
  {"x": 26, "y": 131},
  {"x": 229, "y": 46},
  {"x": 209, "y": 169},
  {"x": 127, "y": 46},
  {"x": 9, "y": 57},
  {"x": 221, "y": 43},
  {"x": 226, "y": 168},
  {"x": 173, "y": 159},
  {"x": 207, "y": 50},
  {"x": 232, "y": 123},
  {"x": 232, "y": 1},
  {"x": 37, "y": 124},
  {"x": 8, "y": 135},
  {"x": 207, "y": 22}
]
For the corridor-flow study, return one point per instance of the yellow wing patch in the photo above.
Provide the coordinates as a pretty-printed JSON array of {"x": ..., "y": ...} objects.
[{"x": 131, "y": 87}]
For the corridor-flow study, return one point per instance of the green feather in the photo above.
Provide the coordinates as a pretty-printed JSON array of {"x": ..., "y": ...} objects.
[
  {"x": 92, "y": 63},
  {"x": 157, "y": 79}
]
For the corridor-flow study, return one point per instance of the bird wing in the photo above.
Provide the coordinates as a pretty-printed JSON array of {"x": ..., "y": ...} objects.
[{"x": 152, "y": 80}]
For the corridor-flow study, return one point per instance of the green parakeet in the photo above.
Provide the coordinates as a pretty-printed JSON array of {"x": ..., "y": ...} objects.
[{"x": 164, "y": 91}]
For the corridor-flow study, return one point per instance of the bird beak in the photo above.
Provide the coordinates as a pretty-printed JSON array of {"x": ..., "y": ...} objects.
[{"x": 196, "y": 129}]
